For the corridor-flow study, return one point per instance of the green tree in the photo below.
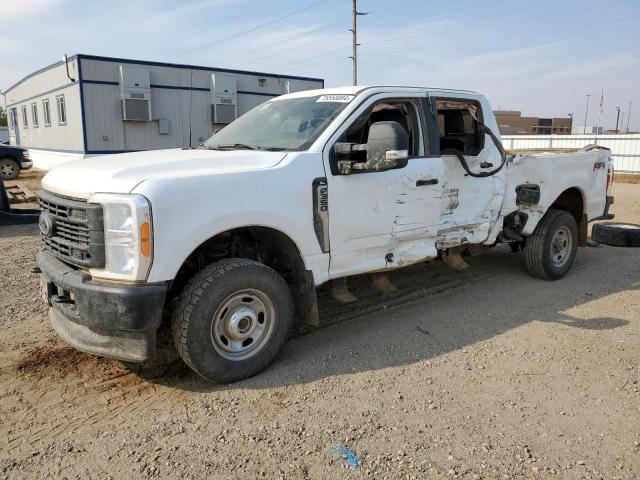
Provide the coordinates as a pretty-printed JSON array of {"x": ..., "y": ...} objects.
[{"x": 3, "y": 117}]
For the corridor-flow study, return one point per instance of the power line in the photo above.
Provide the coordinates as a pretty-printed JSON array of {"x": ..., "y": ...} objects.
[
  {"x": 206, "y": 25},
  {"x": 288, "y": 39},
  {"x": 466, "y": 28},
  {"x": 311, "y": 59},
  {"x": 252, "y": 29},
  {"x": 396, "y": 51}
]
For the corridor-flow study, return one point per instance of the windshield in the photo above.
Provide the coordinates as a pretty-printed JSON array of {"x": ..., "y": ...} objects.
[{"x": 288, "y": 124}]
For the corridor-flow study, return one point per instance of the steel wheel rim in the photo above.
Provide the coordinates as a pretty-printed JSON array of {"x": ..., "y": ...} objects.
[
  {"x": 243, "y": 324},
  {"x": 561, "y": 245},
  {"x": 7, "y": 169}
]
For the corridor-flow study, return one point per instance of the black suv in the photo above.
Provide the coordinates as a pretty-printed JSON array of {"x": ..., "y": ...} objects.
[{"x": 12, "y": 160}]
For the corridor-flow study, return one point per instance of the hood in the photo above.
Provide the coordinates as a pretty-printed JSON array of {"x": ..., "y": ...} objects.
[{"x": 121, "y": 173}]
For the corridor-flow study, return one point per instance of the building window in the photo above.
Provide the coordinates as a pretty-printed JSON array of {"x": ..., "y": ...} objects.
[
  {"x": 34, "y": 114},
  {"x": 46, "y": 112},
  {"x": 62, "y": 110},
  {"x": 25, "y": 118}
]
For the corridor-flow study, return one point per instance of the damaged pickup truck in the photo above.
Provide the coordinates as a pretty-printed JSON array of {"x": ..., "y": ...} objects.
[{"x": 230, "y": 240}]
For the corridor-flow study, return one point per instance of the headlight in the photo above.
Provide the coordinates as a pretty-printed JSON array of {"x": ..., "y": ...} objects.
[{"x": 128, "y": 236}]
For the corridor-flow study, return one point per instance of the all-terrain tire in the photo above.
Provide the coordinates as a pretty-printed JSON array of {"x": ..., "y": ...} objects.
[
  {"x": 616, "y": 234},
  {"x": 540, "y": 256},
  {"x": 198, "y": 308},
  {"x": 9, "y": 169}
]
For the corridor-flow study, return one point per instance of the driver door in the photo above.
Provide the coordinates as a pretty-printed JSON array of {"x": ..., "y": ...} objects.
[{"x": 389, "y": 218}]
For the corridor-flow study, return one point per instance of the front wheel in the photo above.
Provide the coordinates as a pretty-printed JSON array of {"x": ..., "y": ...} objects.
[
  {"x": 551, "y": 248},
  {"x": 231, "y": 320}
]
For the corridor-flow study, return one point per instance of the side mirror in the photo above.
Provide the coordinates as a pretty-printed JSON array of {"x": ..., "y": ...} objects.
[{"x": 387, "y": 148}]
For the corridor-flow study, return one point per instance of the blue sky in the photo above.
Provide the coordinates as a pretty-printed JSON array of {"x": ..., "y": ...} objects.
[{"x": 540, "y": 57}]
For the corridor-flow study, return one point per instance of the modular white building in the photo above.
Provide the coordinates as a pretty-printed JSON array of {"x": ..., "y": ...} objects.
[{"x": 91, "y": 105}]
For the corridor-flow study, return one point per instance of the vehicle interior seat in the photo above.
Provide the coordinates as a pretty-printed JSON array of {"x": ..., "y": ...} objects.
[
  {"x": 390, "y": 114},
  {"x": 455, "y": 136}
]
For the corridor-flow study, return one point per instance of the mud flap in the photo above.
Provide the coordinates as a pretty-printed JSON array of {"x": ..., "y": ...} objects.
[
  {"x": 582, "y": 231},
  {"x": 306, "y": 301}
]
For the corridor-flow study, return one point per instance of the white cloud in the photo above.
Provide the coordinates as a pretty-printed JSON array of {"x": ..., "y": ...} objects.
[{"x": 13, "y": 10}]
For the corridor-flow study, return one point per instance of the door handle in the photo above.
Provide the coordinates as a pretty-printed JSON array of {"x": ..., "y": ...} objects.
[{"x": 431, "y": 181}]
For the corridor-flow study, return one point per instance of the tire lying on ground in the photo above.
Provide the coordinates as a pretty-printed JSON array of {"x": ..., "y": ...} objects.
[{"x": 616, "y": 234}]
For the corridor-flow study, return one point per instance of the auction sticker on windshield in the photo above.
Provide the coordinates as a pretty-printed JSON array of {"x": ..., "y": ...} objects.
[{"x": 335, "y": 98}]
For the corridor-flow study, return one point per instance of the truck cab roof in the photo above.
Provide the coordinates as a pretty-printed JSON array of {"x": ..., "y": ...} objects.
[{"x": 357, "y": 89}]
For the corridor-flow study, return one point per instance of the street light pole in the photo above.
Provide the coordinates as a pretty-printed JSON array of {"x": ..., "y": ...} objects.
[
  {"x": 571, "y": 124},
  {"x": 628, "y": 116},
  {"x": 617, "y": 119},
  {"x": 586, "y": 113}
]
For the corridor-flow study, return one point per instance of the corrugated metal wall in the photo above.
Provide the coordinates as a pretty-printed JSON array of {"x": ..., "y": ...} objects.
[
  {"x": 625, "y": 149},
  {"x": 178, "y": 93}
]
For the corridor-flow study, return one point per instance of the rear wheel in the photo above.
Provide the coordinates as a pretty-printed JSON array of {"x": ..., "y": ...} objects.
[
  {"x": 232, "y": 319},
  {"x": 9, "y": 169},
  {"x": 551, "y": 249}
]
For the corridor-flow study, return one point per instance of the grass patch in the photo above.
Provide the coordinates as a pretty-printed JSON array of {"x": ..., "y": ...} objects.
[{"x": 626, "y": 178}]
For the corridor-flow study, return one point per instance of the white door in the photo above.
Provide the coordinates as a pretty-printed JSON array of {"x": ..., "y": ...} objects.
[
  {"x": 383, "y": 219},
  {"x": 470, "y": 205}
]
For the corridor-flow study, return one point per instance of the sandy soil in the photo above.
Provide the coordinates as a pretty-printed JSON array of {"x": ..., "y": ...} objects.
[{"x": 487, "y": 373}]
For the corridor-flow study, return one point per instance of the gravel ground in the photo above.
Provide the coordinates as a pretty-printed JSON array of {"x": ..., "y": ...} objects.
[{"x": 487, "y": 373}]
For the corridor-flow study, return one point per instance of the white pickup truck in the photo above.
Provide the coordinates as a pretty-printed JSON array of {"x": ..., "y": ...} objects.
[{"x": 231, "y": 239}]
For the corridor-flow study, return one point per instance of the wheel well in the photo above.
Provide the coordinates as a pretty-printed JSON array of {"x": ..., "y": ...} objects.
[
  {"x": 262, "y": 244},
  {"x": 572, "y": 201},
  {"x": 13, "y": 159}
]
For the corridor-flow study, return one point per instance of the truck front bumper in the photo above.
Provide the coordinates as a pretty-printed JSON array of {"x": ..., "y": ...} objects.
[
  {"x": 25, "y": 164},
  {"x": 105, "y": 319}
]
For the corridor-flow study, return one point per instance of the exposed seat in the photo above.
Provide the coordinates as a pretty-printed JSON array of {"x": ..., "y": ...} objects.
[{"x": 455, "y": 136}]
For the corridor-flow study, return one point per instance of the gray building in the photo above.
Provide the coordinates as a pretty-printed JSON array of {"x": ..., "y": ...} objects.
[{"x": 91, "y": 105}]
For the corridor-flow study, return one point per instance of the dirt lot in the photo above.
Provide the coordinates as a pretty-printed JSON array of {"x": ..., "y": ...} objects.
[{"x": 487, "y": 373}]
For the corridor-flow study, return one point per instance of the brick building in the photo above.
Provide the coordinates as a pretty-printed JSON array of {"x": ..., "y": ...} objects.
[{"x": 512, "y": 122}]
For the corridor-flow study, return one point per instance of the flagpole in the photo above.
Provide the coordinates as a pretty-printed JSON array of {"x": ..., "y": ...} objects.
[{"x": 601, "y": 109}]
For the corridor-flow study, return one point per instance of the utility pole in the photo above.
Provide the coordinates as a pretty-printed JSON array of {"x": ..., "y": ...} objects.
[
  {"x": 355, "y": 44},
  {"x": 628, "y": 116},
  {"x": 617, "y": 119},
  {"x": 586, "y": 113}
]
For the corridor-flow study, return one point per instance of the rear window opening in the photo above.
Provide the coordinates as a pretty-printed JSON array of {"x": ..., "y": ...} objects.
[{"x": 458, "y": 126}]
